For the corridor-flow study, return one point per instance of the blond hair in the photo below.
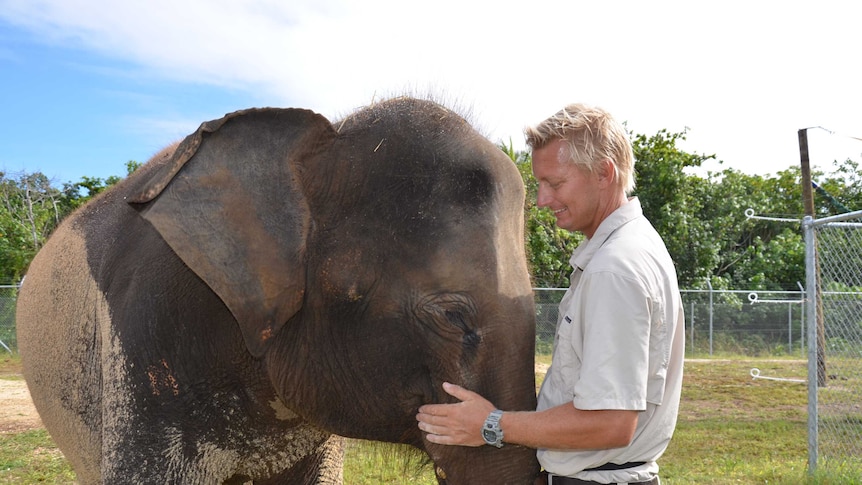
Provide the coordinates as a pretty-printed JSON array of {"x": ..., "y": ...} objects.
[{"x": 592, "y": 136}]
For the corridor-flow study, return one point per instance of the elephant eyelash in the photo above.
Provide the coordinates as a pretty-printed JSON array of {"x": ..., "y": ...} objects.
[
  {"x": 456, "y": 309},
  {"x": 470, "y": 339},
  {"x": 456, "y": 317}
]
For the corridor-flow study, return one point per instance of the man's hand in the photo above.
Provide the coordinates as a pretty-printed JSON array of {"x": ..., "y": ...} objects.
[{"x": 455, "y": 424}]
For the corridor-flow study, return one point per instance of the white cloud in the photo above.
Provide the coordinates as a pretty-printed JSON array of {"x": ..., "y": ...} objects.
[{"x": 744, "y": 76}]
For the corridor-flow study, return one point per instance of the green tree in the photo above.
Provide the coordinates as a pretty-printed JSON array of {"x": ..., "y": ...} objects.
[
  {"x": 671, "y": 199},
  {"x": 767, "y": 254},
  {"x": 131, "y": 166},
  {"x": 31, "y": 208},
  {"x": 704, "y": 220},
  {"x": 842, "y": 190},
  {"x": 76, "y": 194}
]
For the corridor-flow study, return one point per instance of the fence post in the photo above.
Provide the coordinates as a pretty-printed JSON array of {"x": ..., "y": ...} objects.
[
  {"x": 789, "y": 328},
  {"x": 802, "y": 318},
  {"x": 808, "y": 203},
  {"x": 709, "y": 285},
  {"x": 813, "y": 361},
  {"x": 692, "y": 326}
]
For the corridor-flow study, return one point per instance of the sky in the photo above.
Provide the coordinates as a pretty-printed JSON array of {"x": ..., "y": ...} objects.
[{"x": 87, "y": 85}]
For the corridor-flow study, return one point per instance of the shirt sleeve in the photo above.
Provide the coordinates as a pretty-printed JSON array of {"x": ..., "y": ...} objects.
[{"x": 616, "y": 343}]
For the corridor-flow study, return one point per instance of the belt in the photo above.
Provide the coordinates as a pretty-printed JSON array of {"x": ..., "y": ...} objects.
[{"x": 561, "y": 480}]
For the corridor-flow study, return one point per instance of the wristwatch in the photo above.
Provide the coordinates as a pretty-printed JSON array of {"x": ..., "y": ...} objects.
[{"x": 491, "y": 431}]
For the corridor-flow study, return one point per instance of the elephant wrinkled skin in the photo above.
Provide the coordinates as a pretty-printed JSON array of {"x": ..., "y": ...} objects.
[{"x": 275, "y": 282}]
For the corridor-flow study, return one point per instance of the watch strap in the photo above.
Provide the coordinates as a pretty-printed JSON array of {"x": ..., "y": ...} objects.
[{"x": 492, "y": 433}]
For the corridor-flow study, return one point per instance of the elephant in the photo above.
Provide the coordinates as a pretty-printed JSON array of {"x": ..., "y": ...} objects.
[{"x": 275, "y": 282}]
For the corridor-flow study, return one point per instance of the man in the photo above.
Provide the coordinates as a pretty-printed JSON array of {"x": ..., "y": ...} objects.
[{"x": 608, "y": 405}]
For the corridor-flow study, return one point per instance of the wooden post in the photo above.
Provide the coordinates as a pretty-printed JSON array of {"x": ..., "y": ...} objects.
[{"x": 808, "y": 201}]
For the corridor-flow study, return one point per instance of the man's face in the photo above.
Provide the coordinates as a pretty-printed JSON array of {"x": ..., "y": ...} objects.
[{"x": 571, "y": 193}]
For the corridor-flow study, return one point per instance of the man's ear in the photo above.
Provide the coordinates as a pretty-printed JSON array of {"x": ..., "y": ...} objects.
[{"x": 606, "y": 174}]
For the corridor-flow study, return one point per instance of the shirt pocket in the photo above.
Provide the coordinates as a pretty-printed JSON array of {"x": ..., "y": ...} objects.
[{"x": 567, "y": 357}]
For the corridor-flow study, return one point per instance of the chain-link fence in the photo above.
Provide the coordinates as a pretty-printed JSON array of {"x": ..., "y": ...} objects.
[
  {"x": 737, "y": 322},
  {"x": 835, "y": 356},
  {"x": 547, "y": 314},
  {"x": 745, "y": 322},
  {"x": 8, "y": 296}
]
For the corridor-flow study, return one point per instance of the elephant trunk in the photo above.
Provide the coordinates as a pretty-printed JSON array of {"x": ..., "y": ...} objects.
[
  {"x": 510, "y": 389},
  {"x": 511, "y": 464}
]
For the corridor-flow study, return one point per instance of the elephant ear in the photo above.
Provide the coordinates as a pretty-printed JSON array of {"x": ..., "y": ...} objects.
[{"x": 231, "y": 206}]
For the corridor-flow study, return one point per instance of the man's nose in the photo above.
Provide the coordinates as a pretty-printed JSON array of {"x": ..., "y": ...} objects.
[{"x": 542, "y": 198}]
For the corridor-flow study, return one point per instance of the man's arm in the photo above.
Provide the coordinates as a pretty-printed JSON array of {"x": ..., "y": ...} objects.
[{"x": 562, "y": 427}]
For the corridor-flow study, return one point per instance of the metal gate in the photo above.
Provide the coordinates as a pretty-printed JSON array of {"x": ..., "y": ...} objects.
[{"x": 833, "y": 267}]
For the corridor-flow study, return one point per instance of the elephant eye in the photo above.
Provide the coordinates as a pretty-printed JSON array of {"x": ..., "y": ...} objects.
[
  {"x": 457, "y": 318},
  {"x": 449, "y": 313}
]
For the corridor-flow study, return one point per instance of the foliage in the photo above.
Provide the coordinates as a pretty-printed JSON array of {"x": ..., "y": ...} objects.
[
  {"x": 31, "y": 208},
  {"x": 751, "y": 252},
  {"x": 703, "y": 218},
  {"x": 843, "y": 189},
  {"x": 672, "y": 199}
]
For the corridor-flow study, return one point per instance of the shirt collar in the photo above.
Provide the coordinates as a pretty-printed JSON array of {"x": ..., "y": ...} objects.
[{"x": 582, "y": 255}]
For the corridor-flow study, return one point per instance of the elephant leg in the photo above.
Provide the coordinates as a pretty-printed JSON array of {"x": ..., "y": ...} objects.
[{"x": 323, "y": 466}]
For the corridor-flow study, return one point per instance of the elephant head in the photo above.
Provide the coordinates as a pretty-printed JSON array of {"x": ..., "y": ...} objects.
[{"x": 365, "y": 261}]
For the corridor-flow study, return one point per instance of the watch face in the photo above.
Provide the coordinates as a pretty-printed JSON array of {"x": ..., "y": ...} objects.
[{"x": 489, "y": 435}]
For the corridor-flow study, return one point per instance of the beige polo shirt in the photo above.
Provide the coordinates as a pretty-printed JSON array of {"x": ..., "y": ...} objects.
[{"x": 619, "y": 345}]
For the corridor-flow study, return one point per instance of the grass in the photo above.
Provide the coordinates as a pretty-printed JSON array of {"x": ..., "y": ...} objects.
[
  {"x": 10, "y": 365},
  {"x": 731, "y": 430},
  {"x": 374, "y": 463},
  {"x": 32, "y": 457}
]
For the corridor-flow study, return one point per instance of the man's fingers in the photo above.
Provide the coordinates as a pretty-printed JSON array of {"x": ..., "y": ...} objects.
[
  {"x": 439, "y": 439},
  {"x": 427, "y": 427},
  {"x": 430, "y": 419},
  {"x": 458, "y": 392},
  {"x": 443, "y": 435},
  {"x": 442, "y": 409},
  {"x": 433, "y": 410},
  {"x": 436, "y": 434},
  {"x": 457, "y": 423}
]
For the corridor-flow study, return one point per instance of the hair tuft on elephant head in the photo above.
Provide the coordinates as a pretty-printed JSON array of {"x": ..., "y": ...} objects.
[{"x": 276, "y": 282}]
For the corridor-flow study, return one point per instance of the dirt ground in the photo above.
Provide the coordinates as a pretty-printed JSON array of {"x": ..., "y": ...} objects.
[{"x": 17, "y": 412}]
